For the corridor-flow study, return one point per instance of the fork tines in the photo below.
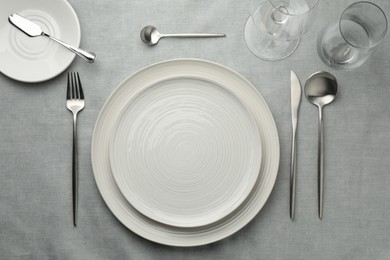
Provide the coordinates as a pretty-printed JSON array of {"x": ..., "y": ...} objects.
[{"x": 74, "y": 89}]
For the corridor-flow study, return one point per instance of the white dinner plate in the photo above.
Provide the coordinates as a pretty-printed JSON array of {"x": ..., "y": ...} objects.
[
  {"x": 185, "y": 151},
  {"x": 36, "y": 59},
  {"x": 156, "y": 231}
]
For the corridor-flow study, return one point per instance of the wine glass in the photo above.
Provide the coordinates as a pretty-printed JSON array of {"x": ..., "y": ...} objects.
[{"x": 274, "y": 28}]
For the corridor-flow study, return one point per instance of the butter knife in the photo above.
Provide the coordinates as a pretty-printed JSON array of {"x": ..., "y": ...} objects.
[
  {"x": 296, "y": 93},
  {"x": 34, "y": 30}
]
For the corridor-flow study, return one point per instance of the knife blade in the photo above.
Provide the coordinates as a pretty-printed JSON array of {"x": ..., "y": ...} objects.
[
  {"x": 25, "y": 25},
  {"x": 296, "y": 93}
]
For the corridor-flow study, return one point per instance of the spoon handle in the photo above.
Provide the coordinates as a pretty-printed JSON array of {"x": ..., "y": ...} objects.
[
  {"x": 194, "y": 35},
  {"x": 320, "y": 163}
]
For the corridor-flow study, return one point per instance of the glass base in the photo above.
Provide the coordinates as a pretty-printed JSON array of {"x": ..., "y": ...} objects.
[
  {"x": 264, "y": 47},
  {"x": 341, "y": 55}
]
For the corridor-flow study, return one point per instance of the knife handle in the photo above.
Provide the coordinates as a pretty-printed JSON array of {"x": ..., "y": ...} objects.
[
  {"x": 293, "y": 172},
  {"x": 85, "y": 55}
]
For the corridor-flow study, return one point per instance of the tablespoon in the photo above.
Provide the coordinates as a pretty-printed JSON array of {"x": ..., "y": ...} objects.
[
  {"x": 151, "y": 36},
  {"x": 321, "y": 90}
]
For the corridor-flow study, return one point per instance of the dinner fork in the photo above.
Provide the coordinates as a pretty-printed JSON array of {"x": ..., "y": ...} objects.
[{"x": 75, "y": 103}]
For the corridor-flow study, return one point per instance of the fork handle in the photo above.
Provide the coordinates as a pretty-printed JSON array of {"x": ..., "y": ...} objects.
[
  {"x": 85, "y": 55},
  {"x": 75, "y": 172}
]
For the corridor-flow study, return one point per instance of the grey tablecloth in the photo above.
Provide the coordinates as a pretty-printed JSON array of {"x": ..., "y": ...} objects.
[{"x": 36, "y": 139}]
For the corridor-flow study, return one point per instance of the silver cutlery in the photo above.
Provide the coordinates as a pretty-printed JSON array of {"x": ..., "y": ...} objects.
[
  {"x": 296, "y": 93},
  {"x": 151, "y": 36},
  {"x": 75, "y": 103},
  {"x": 33, "y": 30},
  {"x": 321, "y": 90}
]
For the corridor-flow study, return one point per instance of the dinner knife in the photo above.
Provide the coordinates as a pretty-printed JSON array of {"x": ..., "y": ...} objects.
[
  {"x": 33, "y": 30},
  {"x": 296, "y": 93}
]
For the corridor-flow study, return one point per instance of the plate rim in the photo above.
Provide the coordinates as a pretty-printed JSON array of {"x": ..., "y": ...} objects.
[{"x": 179, "y": 241}]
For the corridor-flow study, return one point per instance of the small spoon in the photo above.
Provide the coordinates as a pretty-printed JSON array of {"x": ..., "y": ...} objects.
[
  {"x": 151, "y": 36},
  {"x": 321, "y": 90}
]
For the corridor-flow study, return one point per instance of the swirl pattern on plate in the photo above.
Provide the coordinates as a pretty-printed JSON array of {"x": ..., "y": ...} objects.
[{"x": 185, "y": 152}]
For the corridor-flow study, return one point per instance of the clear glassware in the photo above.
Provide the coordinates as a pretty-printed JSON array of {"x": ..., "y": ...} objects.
[
  {"x": 349, "y": 42},
  {"x": 274, "y": 28}
]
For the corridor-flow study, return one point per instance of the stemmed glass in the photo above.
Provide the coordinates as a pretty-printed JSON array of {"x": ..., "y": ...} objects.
[{"x": 274, "y": 28}]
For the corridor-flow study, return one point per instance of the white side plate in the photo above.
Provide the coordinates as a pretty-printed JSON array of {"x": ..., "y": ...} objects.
[{"x": 37, "y": 59}]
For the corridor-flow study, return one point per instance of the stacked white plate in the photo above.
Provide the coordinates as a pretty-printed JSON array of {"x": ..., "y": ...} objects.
[{"x": 185, "y": 152}]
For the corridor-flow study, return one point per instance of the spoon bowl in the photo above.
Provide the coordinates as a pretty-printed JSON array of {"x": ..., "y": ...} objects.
[
  {"x": 321, "y": 89},
  {"x": 150, "y": 35}
]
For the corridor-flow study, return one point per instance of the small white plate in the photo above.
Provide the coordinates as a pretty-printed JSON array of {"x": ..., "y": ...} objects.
[
  {"x": 186, "y": 151},
  {"x": 154, "y": 230},
  {"x": 37, "y": 59}
]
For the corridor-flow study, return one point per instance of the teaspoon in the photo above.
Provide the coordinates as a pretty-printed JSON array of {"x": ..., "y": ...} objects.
[
  {"x": 321, "y": 90},
  {"x": 151, "y": 36}
]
